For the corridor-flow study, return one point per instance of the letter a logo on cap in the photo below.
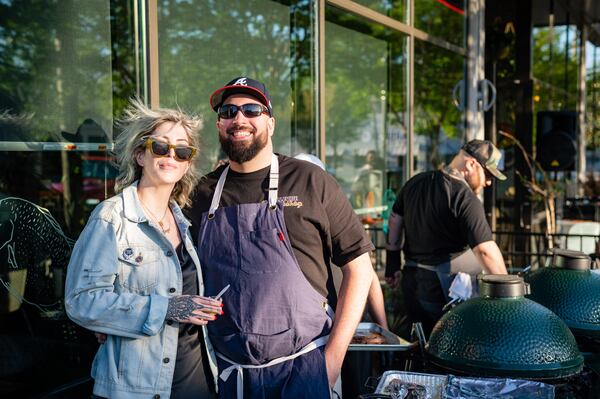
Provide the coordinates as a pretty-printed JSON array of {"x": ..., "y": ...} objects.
[{"x": 240, "y": 81}]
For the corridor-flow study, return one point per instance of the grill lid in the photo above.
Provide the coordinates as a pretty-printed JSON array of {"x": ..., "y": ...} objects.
[
  {"x": 502, "y": 286},
  {"x": 569, "y": 259},
  {"x": 503, "y": 334},
  {"x": 569, "y": 288}
]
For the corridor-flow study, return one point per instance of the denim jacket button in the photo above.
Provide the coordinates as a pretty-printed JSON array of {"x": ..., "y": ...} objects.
[
  {"x": 172, "y": 290},
  {"x": 169, "y": 253},
  {"x": 166, "y": 360},
  {"x": 156, "y": 396},
  {"x": 170, "y": 322}
]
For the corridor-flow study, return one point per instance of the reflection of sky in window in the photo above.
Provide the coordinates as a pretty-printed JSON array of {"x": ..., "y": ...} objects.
[
  {"x": 560, "y": 37},
  {"x": 589, "y": 57}
]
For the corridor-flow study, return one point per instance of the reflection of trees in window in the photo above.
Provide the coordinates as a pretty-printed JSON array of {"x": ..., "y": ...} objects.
[
  {"x": 436, "y": 117},
  {"x": 353, "y": 99},
  {"x": 392, "y": 8},
  {"x": 440, "y": 19},
  {"x": 500, "y": 53},
  {"x": 592, "y": 134},
  {"x": 56, "y": 63},
  {"x": 64, "y": 66},
  {"x": 555, "y": 68},
  {"x": 204, "y": 44},
  {"x": 122, "y": 42}
]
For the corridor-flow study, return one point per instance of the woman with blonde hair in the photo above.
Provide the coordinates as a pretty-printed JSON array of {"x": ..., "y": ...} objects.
[{"x": 134, "y": 275}]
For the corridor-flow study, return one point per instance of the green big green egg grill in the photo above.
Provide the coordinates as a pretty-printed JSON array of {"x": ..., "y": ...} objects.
[
  {"x": 503, "y": 334},
  {"x": 569, "y": 288}
]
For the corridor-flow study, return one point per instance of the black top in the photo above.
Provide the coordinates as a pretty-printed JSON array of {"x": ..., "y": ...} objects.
[
  {"x": 321, "y": 223},
  {"x": 192, "y": 377},
  {"x": 441, "y": 216}
]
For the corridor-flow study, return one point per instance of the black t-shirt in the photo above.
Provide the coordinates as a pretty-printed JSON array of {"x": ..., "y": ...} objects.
[
  {"x": 441, "y": 216},
  {"x": 192, "y": 377},
  {"x": 321, "y": 223}
]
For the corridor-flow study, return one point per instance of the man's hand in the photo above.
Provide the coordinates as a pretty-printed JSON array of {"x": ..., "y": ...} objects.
[
  {"x": 334, "y": 367},
  {"x": 193, "y": 309},
  {"x": 356, "y": 281},
  {"x": 394, "y": 281}
]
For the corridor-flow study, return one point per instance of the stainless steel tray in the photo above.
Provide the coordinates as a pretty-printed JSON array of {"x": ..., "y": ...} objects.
[
  {"x": 393, "y": 342},
  {"x": 434, "y": 383}
]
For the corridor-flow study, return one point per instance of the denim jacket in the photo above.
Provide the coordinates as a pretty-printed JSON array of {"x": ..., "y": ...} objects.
[{"x": 120, "y": 277}]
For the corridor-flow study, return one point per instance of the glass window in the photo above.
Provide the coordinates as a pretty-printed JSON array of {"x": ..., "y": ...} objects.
[
  {"x": 392, "y": 8},
  {"x": 592, "y": 135},
  {"x": 65, "y": 69},
  {"x": 442, "y": 18},
  {"x": 439, "y": 126},
  {"x": 365, "y": 108},
  {"x": 555, "y": 68},
  {"x": 205, "y": 44}
]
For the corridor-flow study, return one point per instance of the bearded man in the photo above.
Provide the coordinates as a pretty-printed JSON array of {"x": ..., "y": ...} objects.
[{"x": 271, "y": 227}]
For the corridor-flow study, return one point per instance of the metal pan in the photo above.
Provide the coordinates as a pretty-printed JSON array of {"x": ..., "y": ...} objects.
[
  {"x": 392, "y": 341},
  {"x": 434, "y": 383}
]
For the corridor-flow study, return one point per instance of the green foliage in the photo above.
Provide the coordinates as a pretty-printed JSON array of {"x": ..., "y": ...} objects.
[
  {"x": 555, "y": 68},
  {"x": 60, "y": 64},
  {"x": 204, "y": 44}
]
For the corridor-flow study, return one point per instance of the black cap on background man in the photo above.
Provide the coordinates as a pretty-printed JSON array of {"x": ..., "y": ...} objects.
[{"x": 487, "y": 155}]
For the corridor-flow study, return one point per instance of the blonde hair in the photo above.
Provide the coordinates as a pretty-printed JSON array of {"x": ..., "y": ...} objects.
[{"x": 139, "y": 121}]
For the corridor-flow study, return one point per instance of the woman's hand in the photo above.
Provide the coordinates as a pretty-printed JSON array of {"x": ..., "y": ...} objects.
[
  {"x": 193, "y": 309},
  {"x": 100, "y": 337}
]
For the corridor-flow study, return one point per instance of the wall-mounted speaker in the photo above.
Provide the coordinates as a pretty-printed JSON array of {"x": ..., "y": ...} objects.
[{"x": 556, "y": 140}]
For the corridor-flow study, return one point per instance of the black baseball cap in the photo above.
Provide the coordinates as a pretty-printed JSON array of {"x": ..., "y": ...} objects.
[
  {"x": 486, "y": 154},
  {"x": 242, "y": 85}
]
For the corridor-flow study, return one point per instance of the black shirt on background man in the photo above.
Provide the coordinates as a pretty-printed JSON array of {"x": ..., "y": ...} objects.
[{"x": 442, "y": 219}]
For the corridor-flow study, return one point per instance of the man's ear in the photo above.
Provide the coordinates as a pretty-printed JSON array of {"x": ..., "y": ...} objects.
[
  {"x": 271, "y": 126},
  {"x": 471, "y": 164}
]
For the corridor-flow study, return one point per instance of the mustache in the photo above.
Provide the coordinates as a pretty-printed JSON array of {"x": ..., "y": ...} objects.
[{"x": 232, "y": 129}]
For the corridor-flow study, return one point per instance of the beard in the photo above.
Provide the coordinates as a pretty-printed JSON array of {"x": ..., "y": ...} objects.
[
  {"x": 476, "y": 188},
  {"x": 242, "y": 151}
]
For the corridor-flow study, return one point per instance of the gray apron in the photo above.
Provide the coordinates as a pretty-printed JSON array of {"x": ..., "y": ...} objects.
[{"x": 446, "y": 271}]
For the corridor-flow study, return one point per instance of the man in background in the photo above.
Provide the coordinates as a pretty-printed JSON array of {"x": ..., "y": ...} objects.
[{"x": 439, "y": 223}]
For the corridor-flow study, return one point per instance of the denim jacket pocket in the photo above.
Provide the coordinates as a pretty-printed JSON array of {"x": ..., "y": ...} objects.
[
  {"x": 138, "y": 268},
  {"x": 106, "y": 362}
]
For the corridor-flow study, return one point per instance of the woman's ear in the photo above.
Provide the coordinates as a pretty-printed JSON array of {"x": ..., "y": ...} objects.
[{"x": 139, "y": 158}]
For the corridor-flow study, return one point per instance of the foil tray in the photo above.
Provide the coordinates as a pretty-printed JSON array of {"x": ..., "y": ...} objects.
[
  {"x": 434, "y": 383},
  {"x": 393, "y": 342}
]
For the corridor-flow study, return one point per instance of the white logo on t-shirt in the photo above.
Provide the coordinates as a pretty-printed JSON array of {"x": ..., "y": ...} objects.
[{"x": 240, "y": 81}]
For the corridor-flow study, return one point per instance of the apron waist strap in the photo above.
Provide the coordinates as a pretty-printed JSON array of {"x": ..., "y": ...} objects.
[
  {"x": 444, "y": 266},
  {"x": 317, "y": 343}
]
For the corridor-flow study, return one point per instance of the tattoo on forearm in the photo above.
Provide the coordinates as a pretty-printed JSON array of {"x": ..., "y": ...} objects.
[{"x": 182, "y": 308}]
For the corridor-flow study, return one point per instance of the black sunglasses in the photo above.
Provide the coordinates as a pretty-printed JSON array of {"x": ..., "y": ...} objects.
[
  {"x": 161, "y": 149},
  {"x": 488, "y": 174},
  {"x": 251, "y": 110}
]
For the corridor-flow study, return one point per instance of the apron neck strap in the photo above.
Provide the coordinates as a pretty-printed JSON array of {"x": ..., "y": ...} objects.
[
  {"x": 273, "y": 181},
  {"x": 273, "y": 187}
]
